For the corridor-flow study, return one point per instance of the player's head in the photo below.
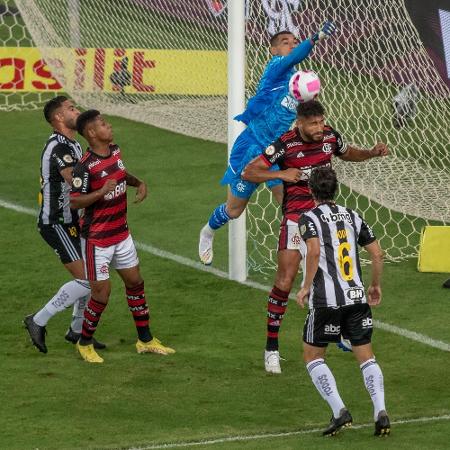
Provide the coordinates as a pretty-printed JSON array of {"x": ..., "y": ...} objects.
[
  {"x": 323, "y": 184},
  {"x": 94, "y": 128},
  {"x": 282, "y": 43},
  {"x": 311, "y": 120},
  {"x": 60, "y": 112}
]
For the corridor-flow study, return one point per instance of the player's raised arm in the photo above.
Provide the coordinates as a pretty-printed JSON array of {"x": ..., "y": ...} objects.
[
  {"x": 302, "y": 50},
  {"x": 356, "y": 154}
]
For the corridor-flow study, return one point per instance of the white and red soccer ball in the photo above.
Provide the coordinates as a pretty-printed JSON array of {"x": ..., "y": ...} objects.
[{"x": 304, "y": 85}]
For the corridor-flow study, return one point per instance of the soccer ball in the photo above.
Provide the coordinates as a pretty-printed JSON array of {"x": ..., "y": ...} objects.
[{"x": 304, "y": 85}]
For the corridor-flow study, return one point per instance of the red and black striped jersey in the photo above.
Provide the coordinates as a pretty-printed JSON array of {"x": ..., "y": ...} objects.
[
  {"x": 103, "y": 223},
  {"x": 290, "y": 150}
]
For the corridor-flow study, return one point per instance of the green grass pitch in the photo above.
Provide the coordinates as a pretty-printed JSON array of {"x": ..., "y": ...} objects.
[{"x": 215, "y": 386}]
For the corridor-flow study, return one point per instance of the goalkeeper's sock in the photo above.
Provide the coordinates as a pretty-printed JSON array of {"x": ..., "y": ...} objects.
[
  {"x": 219, "y": 217},
  {"x": 92, "y": 314},
  {"x": 276, "y": 308},
  {"x": 139, "y": 309},
  {"x": 66, "y": 296},
  {"x": 374, "y": 382}
]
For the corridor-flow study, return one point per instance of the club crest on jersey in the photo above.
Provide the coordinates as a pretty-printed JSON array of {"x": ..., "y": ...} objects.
[
  {"x": 270, "y": 150},
  {"x": 326, "y": 148},
  {"x": 120, "y": 164},
  {"x": 68, "y": 159},
  {"x": 77, "y": 182}
]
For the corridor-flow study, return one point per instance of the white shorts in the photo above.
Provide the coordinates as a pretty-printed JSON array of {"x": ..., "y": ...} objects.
[
  {"x": 289, "y": 236},
  {"x": 97, "y": 260}
]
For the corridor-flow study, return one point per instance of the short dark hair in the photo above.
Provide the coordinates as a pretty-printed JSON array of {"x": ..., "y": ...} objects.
[
  {"x": 52, "y": 105},
  {"x": 323, "y": 183},
  {"x": 274, "y": 38},
  {"x": 310, "y": 109},
  {"x": 85, "y": 118}
]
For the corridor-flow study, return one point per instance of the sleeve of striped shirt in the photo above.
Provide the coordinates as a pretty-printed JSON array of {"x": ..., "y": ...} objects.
[
  {"x": 341, "y": 145},
  {"x": 366, "y": 235},
  {"x": 274, "y": 153},
  {"x": 80, "y": 181},
  {"x": 307, "y": 228},
  {"x": 62, "y": 155}
]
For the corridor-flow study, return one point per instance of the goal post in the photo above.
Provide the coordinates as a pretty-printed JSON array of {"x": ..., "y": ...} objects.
[{"x": 237, "y": 239}]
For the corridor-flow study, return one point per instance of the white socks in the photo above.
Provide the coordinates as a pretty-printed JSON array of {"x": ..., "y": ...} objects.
[
  {"x": 325, "y": 383},
  {"x": 67, "y": 295},
  {"x": 373, "y": 380},
  {"x": 78, "y": 313}
]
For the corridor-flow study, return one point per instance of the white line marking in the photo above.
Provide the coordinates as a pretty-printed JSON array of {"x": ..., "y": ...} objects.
[
  {"x": 412, "y": 335},
  {"x": 280, "y": 435}
]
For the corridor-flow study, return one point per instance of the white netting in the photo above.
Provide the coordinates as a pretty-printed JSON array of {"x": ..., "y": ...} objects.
[{"x": 163, "y": 62}]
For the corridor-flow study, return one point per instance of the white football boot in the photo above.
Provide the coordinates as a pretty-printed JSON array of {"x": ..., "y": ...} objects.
[
  {"x": 272, "y": 361},
  {"x": 205, "y": 245}
]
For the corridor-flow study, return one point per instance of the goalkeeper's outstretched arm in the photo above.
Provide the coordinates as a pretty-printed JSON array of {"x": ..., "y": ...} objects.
[{"x": 302, "y": 51}]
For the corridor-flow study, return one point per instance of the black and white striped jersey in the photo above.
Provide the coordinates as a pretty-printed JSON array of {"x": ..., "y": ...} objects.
[
  {"x": 59, "y": 153},
  {"x": 338, "y": 281}
]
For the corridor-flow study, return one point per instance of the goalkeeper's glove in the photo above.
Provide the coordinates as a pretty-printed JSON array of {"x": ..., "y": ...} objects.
[{"x": 325, "y": 32}]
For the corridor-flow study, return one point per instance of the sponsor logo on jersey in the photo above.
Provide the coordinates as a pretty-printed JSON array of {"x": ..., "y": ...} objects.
[
  {"x": 367, "y": 323},
  {"x": 280, "y": 152},
  {"x": 68, "y": 159},
  {"x": 77, "y": 182},
  {"x": 103, "y": 174},
  {"x": 355, "y": 293},
  {"x": 338, "y": 217},
  {"x": 270, "y": 150},
  {"x": 94, "y": 163},
  {"x": 326, "y": 148},
  {"x": 300, "y": 155},
  {"x": 332, "y": 329},
  {"x": 294, "y": 144}
]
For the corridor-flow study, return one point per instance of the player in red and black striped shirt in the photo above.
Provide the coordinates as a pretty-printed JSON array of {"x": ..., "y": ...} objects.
[
  {"x": 99, "y": 185},
  {"x": 310, "y": 144}
]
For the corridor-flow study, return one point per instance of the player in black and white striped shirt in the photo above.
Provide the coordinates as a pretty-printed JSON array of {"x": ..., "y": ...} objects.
[
  {"x": 58, "y": 224},
  {"x": 333, "y": 288}
]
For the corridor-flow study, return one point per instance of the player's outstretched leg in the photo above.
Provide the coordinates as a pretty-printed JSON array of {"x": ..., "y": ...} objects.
[
  {"x": 240, "y": 193},
  {"x": 66, "y": 296}
]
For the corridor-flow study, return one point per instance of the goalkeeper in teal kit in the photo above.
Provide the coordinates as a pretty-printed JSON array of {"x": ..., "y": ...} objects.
[{"x": 269, "y": 114}]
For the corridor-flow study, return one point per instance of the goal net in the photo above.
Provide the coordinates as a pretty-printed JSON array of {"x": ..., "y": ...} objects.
[{"x": 163, "y": 62}]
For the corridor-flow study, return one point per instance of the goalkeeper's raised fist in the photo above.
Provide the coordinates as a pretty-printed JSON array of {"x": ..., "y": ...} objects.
[{"x": 326, "y": 31}]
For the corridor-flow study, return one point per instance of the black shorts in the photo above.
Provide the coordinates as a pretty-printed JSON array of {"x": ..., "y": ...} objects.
[
  {"x": 325, "y": 325},
  {"x": 64, "y": 239}
]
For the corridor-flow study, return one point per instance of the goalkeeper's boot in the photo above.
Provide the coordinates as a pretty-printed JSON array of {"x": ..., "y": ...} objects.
[
  {"x": 153, "y": 346},
  {"x": 73, "y": 337},
  {"x": 382, "y": 425},
  {"x": 205, "y": 245},
  {"x": 272, "y": 361},
  {"x": 88, "y": 353},
  {"x": 336, "y": 424},
  {"x": 36, "y": 332}
]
